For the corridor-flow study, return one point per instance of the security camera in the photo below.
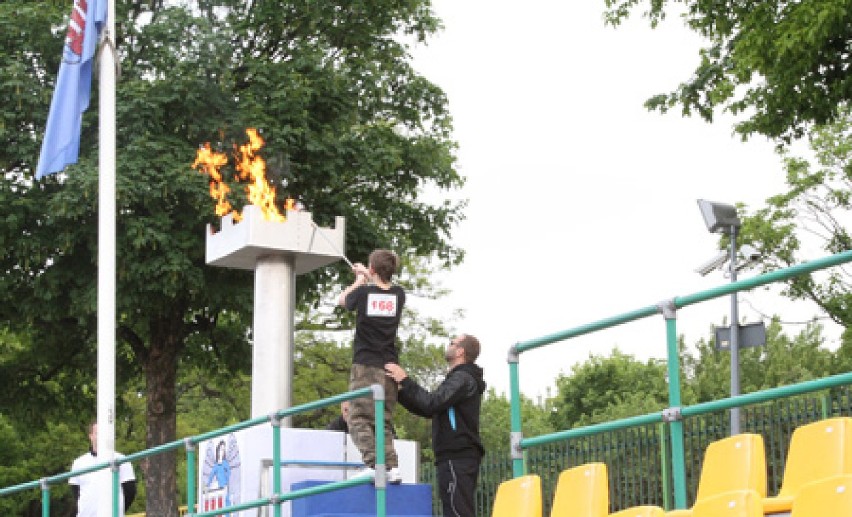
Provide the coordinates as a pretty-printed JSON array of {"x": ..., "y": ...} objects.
[
  {"x": 712, "y": 264},
  {"x": 750, "y": 256},
  {"x": 750, "y": 253}
]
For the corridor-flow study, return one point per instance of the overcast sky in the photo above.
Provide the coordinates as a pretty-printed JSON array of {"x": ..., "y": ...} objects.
[{"x": 583, "y": 203}]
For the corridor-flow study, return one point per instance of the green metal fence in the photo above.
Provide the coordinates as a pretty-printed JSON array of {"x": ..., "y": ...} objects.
[
  {"x": 278, "y": 495},
  {"x": 676, "y": 417},
  {"x": 653, "y": 458},
  {"x": 639, "y": 458}
]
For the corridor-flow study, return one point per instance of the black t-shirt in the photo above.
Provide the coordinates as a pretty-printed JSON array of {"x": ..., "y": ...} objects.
[{"x": 378, "y": 312}]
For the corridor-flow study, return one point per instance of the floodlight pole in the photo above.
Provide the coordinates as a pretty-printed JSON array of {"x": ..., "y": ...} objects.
[
  {"x": 723, "y": 218},
  {"x": 735, "y": 348}
]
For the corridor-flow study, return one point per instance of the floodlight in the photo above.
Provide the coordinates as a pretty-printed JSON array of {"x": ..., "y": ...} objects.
[{"x": 718, "y": 217}]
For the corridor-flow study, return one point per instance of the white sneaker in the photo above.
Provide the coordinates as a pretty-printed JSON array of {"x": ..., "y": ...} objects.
[
  {"x": 365, "y": 472},
  {"x": 394, "y": 476}
]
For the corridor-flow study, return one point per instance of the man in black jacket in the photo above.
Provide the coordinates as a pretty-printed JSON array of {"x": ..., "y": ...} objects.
[
  {"x": 454, "y": 409},
  {"x": 341, "y": 423}
]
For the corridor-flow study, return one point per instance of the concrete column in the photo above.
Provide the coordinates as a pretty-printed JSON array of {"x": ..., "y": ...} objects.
[{"x": 272, "y": 357}]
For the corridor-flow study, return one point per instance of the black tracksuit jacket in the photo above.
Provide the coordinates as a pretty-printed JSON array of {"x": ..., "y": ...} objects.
[{"x": 454, "y": 409}]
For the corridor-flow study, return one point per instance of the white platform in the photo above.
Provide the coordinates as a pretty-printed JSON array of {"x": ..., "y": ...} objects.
[
  {"x": 248, "y": 473},
  {"x": 240, "y": 245}
]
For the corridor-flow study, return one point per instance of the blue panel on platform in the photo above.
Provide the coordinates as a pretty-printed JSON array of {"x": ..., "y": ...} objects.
[{"x": 405, "y": 499}]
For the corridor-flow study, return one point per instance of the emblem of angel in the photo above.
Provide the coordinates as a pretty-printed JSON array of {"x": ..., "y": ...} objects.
[{"x": 221, "y": 469}]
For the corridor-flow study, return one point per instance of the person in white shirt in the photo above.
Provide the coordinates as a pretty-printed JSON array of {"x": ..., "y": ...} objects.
[{"x": 85, "y": 488}]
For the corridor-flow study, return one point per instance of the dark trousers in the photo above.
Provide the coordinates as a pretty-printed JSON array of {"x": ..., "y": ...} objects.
[{"x": 457, "y": 486}]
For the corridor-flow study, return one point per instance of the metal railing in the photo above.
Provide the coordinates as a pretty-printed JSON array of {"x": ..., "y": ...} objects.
[
  {"x": 674, "y": 414},
  {"x": 672, "y": 417},
  {"x": 278, "y": 497},
  {"x": 638, "y": 459}
]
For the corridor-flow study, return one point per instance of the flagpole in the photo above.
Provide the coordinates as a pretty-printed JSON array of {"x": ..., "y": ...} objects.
[{"x": 106, "y": 258}]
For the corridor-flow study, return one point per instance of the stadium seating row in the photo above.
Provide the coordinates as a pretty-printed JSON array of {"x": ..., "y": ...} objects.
[{"x": 817, "y": 481}]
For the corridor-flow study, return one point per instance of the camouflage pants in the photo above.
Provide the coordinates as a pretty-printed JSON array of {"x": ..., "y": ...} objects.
[{"x": 362, "y": 414}]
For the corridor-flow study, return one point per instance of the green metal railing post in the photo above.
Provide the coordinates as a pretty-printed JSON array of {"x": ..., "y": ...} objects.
[
  {"x": 45, "y": 498},
  {"x": 516, "y": 433},
  {"x": 275, "y": 420},
  {"x": 190, "y": 476},
  {"x": 672, "y": 415},
  {"x": 664, "y": 466},
  {"x": 116, "y": 486},
  {"x": 381, "y": 479}
]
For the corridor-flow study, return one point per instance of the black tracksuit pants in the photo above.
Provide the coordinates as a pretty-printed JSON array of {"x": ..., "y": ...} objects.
[{"x": 457, "y": 486}]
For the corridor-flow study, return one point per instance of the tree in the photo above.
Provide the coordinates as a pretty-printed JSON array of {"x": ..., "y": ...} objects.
[
  {"x": 782, "y": 361},
  {"x": 781, "y": 65},
  {"x": 496, "y": 424},
  {"x": 843, "y": 356},
  {"x": 351, "y": 130},
  {"x": 604, "y": 388},
  {"x": 610, "y": 388},
  {"x": 812, "y": 215}
]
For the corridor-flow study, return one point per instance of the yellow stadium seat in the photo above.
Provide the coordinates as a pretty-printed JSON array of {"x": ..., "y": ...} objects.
[
  {"x": 519, "y": 497},
  {"x": 739, "y": 503},
  {"x": 819, "y": 450},
  {"x": 640, "y": 511},
  {"x": 582, "y": 491},
  {"x": 731, "y": 464},
  {"x": 828, "y": 497}
]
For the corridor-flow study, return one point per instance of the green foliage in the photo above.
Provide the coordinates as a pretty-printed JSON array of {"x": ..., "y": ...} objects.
[
  {"x": 781, "y": 362},
  {"x": 12, "y": 467},
  {"x": 843, "y": 356},
  {"x": 351, "y": 130},
  {"x": 812, "y": 215},
  {"x": 781, "y": 65},
  {"x": 321, "y": 370},
  {"x": 496, "y": 417},
  {"x": 619, "y": 386},
  {"x": 604, "y": 388}
]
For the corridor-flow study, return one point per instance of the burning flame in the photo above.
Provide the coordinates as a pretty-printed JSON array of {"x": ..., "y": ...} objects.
[
  {"x": 251, "y": 169},
  {"x": 209, "y": 162}
]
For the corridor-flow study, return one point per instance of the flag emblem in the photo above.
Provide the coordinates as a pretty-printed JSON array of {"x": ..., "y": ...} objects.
[{"x": 77, "y": 28}]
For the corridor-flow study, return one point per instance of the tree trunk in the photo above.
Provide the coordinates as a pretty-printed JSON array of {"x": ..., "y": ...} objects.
[{"x": 161, "y": 380}]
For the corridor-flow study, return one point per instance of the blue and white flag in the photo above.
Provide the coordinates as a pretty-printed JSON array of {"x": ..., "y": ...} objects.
[{"x": 61, "y": 143}]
